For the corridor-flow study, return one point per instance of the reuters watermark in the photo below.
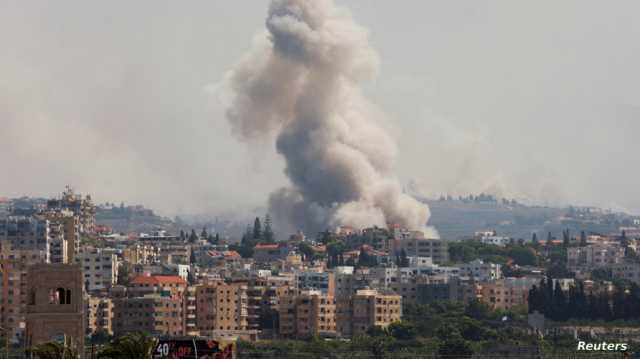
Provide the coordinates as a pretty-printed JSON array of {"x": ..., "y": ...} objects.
[{"x": 604, "y": 346}]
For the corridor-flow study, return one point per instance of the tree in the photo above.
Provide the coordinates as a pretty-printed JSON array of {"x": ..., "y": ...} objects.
[
  {"x": 534, "y": 241},
  {"x": 523, "y": 256},
  {"x": 204, "y": 235},
  {"x": 455, "y": 347},
  {"x": 124, "y": 272},
  {"x": 183, "y": 236},
  {"x": 131, "y": 346},
  {"x": 193, "y": 237},
  {"x": 267, "y": 234},
  {"x": 583, "y": 239},
  {"x": 54, "y": 350},
  {"x": 306, "y": 250},
  {"x": 257, "y": 230},
  {"x": 402, "y": 330}
]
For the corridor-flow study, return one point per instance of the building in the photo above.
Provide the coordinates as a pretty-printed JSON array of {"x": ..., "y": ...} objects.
[
  {"x": 99, "y": 315},
  {"x": 81, "y": 207},
  {"x": 27, "y": 233},
  {"x": 310, "y": 313},
  {"x": 322, "y": 281},
  {"x": 628, "y": 271},
  {"x": 437, "y": 249},
  {"x": 156, "y": 314},
  {"x": 270, "y": 252},
  {"x": 15, "y": 263},
  {"x": 221, "y": 309},
  {"x": 55, "y": 304},
  {"x": 191, "y": 312},
  {"x": 373, "y": 307},
  {"x": 481, "y": 271},
  {"x": 156, "y": 284},
  {"x": 595, "y": 255},
  {"x": 67, "y": 245},
  {"x": 99, "y": 268},
  {"x": 264, "y": 294},
  {"x": 508, "y": 292},
  {"x": 141, "y": 254}
]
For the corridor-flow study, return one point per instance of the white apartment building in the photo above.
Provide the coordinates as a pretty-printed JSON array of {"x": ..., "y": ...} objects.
[
  {"x": 481, "y": 271},
  {"x": 99, "y": 267}
]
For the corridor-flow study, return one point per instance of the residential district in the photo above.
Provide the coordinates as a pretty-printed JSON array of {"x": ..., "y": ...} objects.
[{"x": 68, "y": 279}]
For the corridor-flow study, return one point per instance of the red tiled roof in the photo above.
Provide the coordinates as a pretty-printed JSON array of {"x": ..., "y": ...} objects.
[
  {"x": 158, "y": 279},
  {"x": 232, "y": 254},
  {"x": 266, "y": 246}
]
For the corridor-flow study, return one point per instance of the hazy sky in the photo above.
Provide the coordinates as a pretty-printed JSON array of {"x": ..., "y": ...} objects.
[{"x": 537, "y": 100}]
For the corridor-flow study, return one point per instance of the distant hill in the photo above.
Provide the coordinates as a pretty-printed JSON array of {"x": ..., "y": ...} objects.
[{"x": 456, "y": 218}]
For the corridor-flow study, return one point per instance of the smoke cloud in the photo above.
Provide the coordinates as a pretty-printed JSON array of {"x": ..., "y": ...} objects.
[{"x": 301, "y": 85}]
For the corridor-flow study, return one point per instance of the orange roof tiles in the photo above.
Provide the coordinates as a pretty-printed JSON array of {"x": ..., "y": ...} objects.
[{"x": 158, "y": 280}]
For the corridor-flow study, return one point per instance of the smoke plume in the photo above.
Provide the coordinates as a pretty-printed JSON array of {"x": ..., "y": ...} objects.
[{"x": 301, "y": 84}]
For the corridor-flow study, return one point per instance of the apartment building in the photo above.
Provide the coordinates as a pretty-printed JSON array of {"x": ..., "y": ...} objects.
[
  {"x": 628, "y": 271},
  {"x": 310, "y": 313},
  {"x": 82, "y": 207},
  {"x": 322, "y": 281},
  {"x": 437, "y": 249},
  {"x": 99, "y": 268},
  {"x": 221, "y": 308},
  {"x": 141, "y": 254},
  {"x": 595, "y": 255},
  {"x": 191, "y": 312},
  {"x": 15, "y": 263},
  {"x": 66, "y": 237},
  {"x": 156, "y": 284},
  {"x": 263, "y": 296},
  {"x": 99, "y": 315},
  {"x": 481, "y": 271},
  {"x": 156, "y": 314},
  {"x": 28, "y": 233},
  {"x": 372, "y": 307},
  {"x": 508, "y": 292}
]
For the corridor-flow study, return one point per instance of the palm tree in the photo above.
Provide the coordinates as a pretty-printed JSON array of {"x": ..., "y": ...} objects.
[
  {"x": 55, "y": 350},
  {"x": 131, "y": 346}
]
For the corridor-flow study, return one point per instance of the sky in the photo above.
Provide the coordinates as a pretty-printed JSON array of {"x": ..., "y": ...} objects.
[{"x": 535, "y": 100}]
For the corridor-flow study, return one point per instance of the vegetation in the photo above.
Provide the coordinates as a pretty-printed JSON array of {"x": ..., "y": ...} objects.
[
  {"x": 549, "y": 299},
  {"x": 131, "y": 346},
  {"x": 55, "y": 350}
]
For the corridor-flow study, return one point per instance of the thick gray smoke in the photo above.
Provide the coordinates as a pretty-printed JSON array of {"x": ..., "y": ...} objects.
[{"x": 302, "y": 84}]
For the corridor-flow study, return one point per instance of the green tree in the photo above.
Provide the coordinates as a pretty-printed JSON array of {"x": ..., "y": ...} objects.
[
  {"x": 583, "y": 239},
  {"x": 131, "y": 346},
  {"x": 455, "y": 347},
  {"x": 534, "y": 241},
  {"x": 204, "y": 235},
  {"x": 523, "y": 256},
  {"x": 54, "y": 350},
  {"x": 257, "y": 230},
  {"x": 267, "y": 234},
  {"x": 124, "y": 273},
  {"x": 193, "y": 237},
  {"x": 402, "y": 330}
]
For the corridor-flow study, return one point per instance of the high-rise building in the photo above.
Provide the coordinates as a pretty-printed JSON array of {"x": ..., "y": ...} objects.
[
  {"x": 374, "y": 308},
  {"x": 156, "y": 314},
  {"x": 310, "y": 313},
  {"x": 222, "y": 308},
  {"x": 99, "y": 268},
  {"x": 99, "y": 315}
]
